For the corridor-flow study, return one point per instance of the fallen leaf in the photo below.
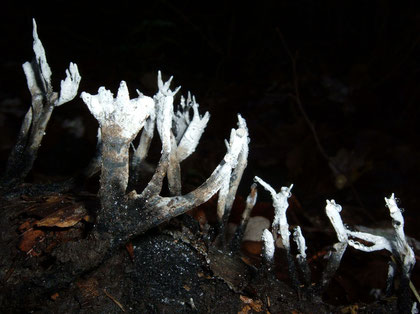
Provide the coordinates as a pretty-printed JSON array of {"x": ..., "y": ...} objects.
[
  {"x": 255, "y": 305},
  {"x": 29, "y": 239},
  {"x": 25, "y": 226},
  {"x": 64, "y": 217},
  {"x": 245, "y": 310}
]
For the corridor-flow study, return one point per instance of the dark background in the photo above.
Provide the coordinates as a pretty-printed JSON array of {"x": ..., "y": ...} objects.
[{"x": 357, "y": 69}]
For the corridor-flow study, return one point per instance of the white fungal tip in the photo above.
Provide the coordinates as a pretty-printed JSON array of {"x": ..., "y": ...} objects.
[{"x": 268, "y": 240}]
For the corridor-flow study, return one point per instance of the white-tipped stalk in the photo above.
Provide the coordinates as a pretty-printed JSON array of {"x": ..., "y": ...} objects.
[
  {"x": 301, "y": 256},
  {"x": 280, "y": 203},
  {"x": 333, "y": 212},
  {"x": 300, "y": 242},
  {"x": 69, "y": 85},
  {"x": 268, "y": 246},
  {"x": 122, "y": 116},
  {"x": 41, "y": 60},
  {"x": 44, "y": 100},
  {"x": 188, "y": 132},
  {"x": 231, "y": 183}
]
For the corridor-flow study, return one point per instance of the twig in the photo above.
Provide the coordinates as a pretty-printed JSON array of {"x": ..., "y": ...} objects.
[{"x": 114, "y": 300}]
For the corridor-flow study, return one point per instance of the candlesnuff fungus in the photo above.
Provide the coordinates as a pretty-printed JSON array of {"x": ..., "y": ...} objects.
[
  {"x": 301, "y": 255},
  {"x": 125, "y": 213},
  {"x": 188, "y": 131},
  {"x": 268, "y": 246},
  {"x": 44, "y": 100},
  {"x": 333, "y": 212},
  {"x": 396, "y": 244},
  {"x": 280, "y": 225}
]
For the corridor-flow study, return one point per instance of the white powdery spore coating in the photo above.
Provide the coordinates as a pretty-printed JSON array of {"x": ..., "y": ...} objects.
[
  {"x": 333, "y": 212},
  {"x": 223, "y": 192},
  {"x": 69, "y": 85},
  {"x": 238, "y": 139},
  {"x": 30, "y": 78},
  {"x": 164, "y": 99},
  {"x": 404, "y": 250},
  {"x": 280, "y": 204},
  {"x": 396, "y": 215},
  {"x": 268, "y": 240},
  {"x": 192, "y": 135},
  {"x": 245, "y": 149},
  {"x": 300, "y": 242},
  {"x": 182, "y": 117},
  {"x": 41, "y": 58},
  {"x": 414, "y": 309},
  {"x": 164, "y": 120},
  {"x": 378, "y": 242},
  {"x": 129, "y": 115}
]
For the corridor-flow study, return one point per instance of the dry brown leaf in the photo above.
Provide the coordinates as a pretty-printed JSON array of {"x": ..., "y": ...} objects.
[
  {"x": 25, "y": 226},
  {"x": 64, "y": 217},
  {"x": 245, "y": 310},
  {"x": 29, "y": 239},
  {"x": 255, "y": 305}
]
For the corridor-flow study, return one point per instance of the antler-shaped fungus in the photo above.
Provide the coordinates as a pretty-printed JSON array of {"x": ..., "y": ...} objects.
[
  {"x": 125, "y": 214},
  {"x": 44, "y": 100}
]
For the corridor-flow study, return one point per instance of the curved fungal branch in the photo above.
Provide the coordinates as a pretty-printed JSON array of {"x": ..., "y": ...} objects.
[
  {"x": 228, "y": 192},
  {"x": 125, "y": 214},
  {"x": 396, "y": 244},
  {"x": 158, "y": 209}
]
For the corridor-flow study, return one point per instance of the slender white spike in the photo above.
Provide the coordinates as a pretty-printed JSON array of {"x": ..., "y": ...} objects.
[
  {"x": 300, "y": 242},
  {"x": 269, "y": 248},
  {"x": 41, "y": 60}
]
